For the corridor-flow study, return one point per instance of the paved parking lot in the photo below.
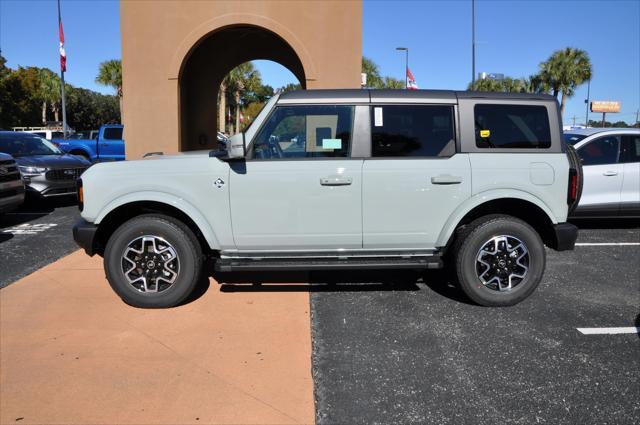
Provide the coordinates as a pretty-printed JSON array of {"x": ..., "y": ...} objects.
[
  {"x": 395, "y": 347},
  {"x": 413, "y": 350},
  {"x": 35, "y": 235}
]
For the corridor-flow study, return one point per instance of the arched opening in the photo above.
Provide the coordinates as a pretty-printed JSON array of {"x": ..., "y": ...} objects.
[{"x": 204, "y": 69}]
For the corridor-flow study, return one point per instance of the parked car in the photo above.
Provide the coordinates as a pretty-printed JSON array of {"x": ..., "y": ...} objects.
[
  {"x": 11, "y": 185},
  {"x": 384, "y": 179},
  {"x": 611, "y": 162},
  {"x": 46, "y": 170},
  {"x": 107, "y": 146}
]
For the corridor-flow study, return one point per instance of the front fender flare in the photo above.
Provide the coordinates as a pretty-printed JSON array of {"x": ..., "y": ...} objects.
[
  {"x": 482, "y": 198},
  {"x": 168, "y": 199}
]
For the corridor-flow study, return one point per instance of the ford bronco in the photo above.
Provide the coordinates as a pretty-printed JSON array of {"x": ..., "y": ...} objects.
[{"x": 346, "y": 179}]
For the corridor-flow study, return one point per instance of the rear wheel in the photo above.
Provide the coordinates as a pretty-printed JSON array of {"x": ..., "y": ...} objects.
[
  {"x": 153, "y": 261},
  {"x": 499, "y": 260}
]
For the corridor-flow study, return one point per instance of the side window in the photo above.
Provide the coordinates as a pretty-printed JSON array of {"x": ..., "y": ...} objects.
[
  {"x": 600, "y": 151},
  {"x": 512, "y": 126},
  {"x": 112, "y": 133},
  {"x": 631, "y": 147},
  {"x": 411, "y": 130},
  {"x": 305, "y": 132}
]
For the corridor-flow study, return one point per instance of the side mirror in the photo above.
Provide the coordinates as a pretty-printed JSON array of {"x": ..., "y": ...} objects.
[
  {"x": 233, "y": 148},
  {"x": 236, "y": 146}
]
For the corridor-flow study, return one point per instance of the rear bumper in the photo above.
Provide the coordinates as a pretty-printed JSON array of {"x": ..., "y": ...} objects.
[
  {"x": 84, "y": 233},
  {"x": 565, "y": 236}
]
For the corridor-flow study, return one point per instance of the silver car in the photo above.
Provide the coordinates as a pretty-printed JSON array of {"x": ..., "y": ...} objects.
[
  {"x": 611, "y": 163},
  {"x": 11, "y": 185}
]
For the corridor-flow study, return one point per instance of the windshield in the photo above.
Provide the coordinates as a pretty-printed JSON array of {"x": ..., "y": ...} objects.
[
  {"x": 572, "y": 139},
  {"x": 22, "y": 145}
]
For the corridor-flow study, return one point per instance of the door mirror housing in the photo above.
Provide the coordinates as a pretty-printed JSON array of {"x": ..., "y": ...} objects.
[{"x": 234, "y": 148}]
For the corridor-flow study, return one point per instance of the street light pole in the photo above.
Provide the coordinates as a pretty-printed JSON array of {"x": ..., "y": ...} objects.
[
  {"x": 406, "y": 65},
  {"x": 586, "y": 120},
  {"x": 473, "y": 43}
]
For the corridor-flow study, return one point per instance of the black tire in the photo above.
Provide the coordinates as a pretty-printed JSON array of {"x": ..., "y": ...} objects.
[
  {"x": 467, "y": 248},
  {"x": 184, "y": 244}
]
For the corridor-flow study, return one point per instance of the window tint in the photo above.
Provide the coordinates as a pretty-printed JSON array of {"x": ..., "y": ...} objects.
[
  {"x": 305, "y": 132},
  {"x": 512, "y": 126},
  {"x": 600, "y": 151},
  {"x": 631, "y": 147},
  {"x": 572, "y": 139},
  {"x": 112, "y": 133},
  {"x": 411, "y": 130}
]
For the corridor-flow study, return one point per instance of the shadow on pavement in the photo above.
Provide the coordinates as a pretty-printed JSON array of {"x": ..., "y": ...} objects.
[
  {"x": 35, "y": 208},
  {"x": 606, "y": 223},
  {"x": 5, "y": 237},
  {"x": 341, "y": 281}
]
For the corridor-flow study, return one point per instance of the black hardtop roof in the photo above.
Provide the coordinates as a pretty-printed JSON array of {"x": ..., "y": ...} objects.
[{"x": 367, "y": 94}]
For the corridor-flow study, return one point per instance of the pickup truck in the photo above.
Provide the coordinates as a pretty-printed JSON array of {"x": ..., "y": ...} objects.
[
  {"x": 107, "y": 146},
  {"x": 345, "y": 179}
]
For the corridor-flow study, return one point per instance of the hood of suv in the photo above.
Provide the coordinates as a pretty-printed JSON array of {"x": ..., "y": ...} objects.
[
  {"x": 52, "y": 161},
  {"x": 181, "y": 155}
]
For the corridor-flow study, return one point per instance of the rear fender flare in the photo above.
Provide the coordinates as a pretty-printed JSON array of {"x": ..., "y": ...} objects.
[{"x": 482, "y": 198}]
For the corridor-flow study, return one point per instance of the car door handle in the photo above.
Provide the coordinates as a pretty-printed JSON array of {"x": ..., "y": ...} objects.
[
  {"x": 610, "y": 173},
  {"x": 336, "y": 181},
  {"x": 446, "y": 179}
]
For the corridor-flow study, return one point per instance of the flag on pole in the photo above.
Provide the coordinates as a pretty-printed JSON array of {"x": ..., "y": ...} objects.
[
  {"x": 411, "y": 82},
  {"x": 63, "y": 54}
]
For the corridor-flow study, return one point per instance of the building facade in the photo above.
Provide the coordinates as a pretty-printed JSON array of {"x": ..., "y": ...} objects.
[{"x": 175, "y": 55}]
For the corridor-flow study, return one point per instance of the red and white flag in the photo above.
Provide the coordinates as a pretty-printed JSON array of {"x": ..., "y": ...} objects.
[
  {"x": 411, "y": 82},
  {"x": 63, "y": 54}
]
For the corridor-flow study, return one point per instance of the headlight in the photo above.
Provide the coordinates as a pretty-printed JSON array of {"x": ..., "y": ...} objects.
[{"x": 29, "y": 171}]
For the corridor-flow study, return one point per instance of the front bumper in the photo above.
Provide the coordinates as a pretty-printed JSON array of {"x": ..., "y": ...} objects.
[
  {"x": 565, "y": 236},
  {"x": 84, "y": 233}
]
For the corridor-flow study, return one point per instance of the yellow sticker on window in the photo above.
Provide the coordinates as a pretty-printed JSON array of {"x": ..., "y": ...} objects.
[{"x": 485, "y": 133}]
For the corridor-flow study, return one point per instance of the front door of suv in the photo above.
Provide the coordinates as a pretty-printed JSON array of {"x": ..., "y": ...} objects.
[
  {"x": 603, "y": 175},
  {"x": 299, "y": 189},
  {"x": 414, "y": 180}
]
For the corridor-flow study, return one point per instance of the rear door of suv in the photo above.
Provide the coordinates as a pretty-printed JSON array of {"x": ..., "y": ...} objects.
[{"x": 413, "y": 180}]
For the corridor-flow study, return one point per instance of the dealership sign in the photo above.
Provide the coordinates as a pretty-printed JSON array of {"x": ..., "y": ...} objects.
[{"x": 605, "y": 106}]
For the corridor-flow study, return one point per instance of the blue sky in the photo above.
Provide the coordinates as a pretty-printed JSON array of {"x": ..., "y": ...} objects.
[{"x": 513, "y": 38}]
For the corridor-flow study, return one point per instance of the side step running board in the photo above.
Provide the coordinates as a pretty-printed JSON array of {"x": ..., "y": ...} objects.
[{"x": 248, "y": 264}]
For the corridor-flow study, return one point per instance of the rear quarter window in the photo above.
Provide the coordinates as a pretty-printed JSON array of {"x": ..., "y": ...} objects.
[{"x": 499, "y": 126}]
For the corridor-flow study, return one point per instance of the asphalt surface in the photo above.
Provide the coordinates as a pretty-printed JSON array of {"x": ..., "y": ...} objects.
[
  {"x": 35, "y": 235},
  {"x": 411, "y": 349}
]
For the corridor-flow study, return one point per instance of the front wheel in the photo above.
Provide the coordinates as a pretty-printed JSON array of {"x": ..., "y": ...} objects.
[
  {"x": 153, "y": 261},
  {"x": 499, "y": 260}
]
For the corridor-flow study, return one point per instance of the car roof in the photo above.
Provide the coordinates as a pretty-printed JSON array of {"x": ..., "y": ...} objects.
[
  {"x": 20, "y": 134},
  {"x": 365, "y": 95},
  {"x": 590, "y": 131}
]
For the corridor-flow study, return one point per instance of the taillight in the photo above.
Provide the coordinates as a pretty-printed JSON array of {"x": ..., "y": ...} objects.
[
  {"x": 572, "y": 194},
  {"x": 80, "y": 191}
]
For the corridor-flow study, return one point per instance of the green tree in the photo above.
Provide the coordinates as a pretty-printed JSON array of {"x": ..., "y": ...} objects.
[
  {"x": 564, "y": 71},
  {"x": 242, "y": 80},
  {"x": 110, "y": 74},
  {"x": 49, "y": 92},
  {"x": 374, "y": 79},
  {"x": 289, "y": 87}
]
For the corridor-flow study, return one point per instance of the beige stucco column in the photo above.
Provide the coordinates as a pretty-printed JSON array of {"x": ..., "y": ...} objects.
[{"x": 175, "y": 53}]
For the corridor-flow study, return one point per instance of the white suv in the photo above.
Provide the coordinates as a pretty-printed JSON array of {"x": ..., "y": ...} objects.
[
  {"x": 611, "y": 162},
  {"x": 343, "y": 179}
]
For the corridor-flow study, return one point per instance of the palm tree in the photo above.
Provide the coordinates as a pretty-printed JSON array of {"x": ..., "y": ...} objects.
[
  {"x": 564, "y": 71},
  {"x": 110, "y": 74},
  {"x": 369, "y": 67},
  {"x": 243, "y": 78},
  {"x": 48, "y": 92}
]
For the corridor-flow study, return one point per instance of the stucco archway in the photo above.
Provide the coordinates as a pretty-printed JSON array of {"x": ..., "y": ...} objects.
[{"x": 209, "y": 61}]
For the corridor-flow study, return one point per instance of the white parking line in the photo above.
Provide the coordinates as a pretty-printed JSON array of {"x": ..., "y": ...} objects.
[
  {"x": 608, "y": 243},
  {"x": 609, "y": 331}
]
